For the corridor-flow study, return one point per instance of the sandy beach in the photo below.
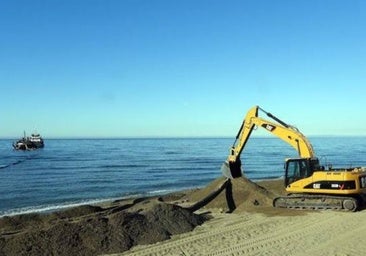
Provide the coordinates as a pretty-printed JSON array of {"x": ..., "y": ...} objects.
[
  {"x": 238, "y": 221},
  {"x": 319, "y": 233},
  {"x": 263, "y": 230}
]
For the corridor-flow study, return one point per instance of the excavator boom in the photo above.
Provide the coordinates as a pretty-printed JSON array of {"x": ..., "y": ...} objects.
[{"x": 290, "y": 134}]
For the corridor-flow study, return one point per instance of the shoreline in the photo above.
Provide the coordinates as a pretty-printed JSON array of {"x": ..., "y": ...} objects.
[
  {"x": 164, "y": 225},
  {"x": 50, "y": 208},
  {"x": 83, "y": 230},
  {"x": 139, "y": 220}
]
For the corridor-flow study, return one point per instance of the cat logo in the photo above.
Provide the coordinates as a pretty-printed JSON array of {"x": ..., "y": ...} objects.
[{"x": 268, "y": 127}]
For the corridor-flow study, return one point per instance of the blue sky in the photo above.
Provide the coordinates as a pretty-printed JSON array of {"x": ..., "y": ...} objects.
[{"x": 143, "y": 68}]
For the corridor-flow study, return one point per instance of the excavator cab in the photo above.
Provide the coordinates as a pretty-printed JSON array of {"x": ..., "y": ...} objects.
[{"x": 300, "y": 168}]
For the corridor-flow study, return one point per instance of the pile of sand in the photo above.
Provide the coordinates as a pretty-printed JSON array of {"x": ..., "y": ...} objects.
[
  {"x": 89, "y": 230},
  {"x": 92, "y": 230},
  {"x": 240, "y": 195}
]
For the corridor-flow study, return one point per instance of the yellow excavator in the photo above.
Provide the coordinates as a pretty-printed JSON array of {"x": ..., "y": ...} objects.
[{"x": 308, "y": 184}]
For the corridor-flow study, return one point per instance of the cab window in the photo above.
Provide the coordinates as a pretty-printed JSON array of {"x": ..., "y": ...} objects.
[{"x": 296, "y": 170}]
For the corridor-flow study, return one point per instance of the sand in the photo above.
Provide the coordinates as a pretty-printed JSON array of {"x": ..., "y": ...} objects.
[
  {"x": 256, "y": 228},
  {"x": 93, "y": 230},
  {"x": 319, "y": 233},
  {"x": 239, "y": 221}
]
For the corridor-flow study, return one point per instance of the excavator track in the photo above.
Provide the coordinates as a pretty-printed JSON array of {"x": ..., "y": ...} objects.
[{"x": 317, "y": 202}]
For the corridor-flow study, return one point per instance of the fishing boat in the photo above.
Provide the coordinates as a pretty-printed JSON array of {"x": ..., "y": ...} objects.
[{"x": 35, "y": 141}]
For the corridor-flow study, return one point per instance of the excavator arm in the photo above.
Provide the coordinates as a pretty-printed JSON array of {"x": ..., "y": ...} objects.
[{"x": 232, "y": 166}]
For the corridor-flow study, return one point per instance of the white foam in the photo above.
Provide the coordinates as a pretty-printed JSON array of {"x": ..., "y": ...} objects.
[
  {"x": 160, "y": 192},
  {"x": 56, "y": 207}
]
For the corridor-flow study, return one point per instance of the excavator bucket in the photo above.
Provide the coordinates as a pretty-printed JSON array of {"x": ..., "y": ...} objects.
[{"x": 231, "y": 170}]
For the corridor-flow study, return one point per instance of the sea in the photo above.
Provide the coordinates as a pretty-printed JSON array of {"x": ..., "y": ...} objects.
[{"x": 73, "y": 172}]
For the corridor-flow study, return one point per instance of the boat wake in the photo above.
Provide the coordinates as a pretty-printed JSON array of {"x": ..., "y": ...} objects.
[{"x": 14, "y": 163}]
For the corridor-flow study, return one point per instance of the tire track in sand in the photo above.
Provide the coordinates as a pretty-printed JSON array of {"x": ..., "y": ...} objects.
[{"x": 238, "y": 235}]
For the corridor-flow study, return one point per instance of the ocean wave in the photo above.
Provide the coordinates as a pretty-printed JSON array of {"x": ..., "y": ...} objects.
[
  {"x": 124, "y": 166},
  {"x": 56, "y": 207}
]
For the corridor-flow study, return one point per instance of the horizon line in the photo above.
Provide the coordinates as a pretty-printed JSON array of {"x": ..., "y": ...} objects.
[{"x": 173, "y": 137}]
